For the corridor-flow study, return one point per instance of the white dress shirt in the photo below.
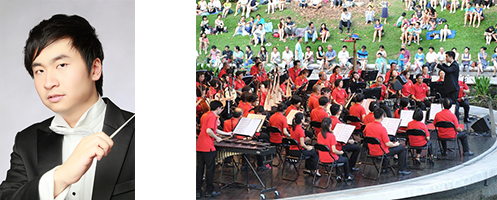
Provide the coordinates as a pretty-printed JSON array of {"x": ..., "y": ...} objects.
[{"x": 90, "y": 122}]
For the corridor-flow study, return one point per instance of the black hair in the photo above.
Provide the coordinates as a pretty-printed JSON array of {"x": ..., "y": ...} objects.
[
  {"x": 251, "y": 98},
  {"x": 381, "y": 46},
  {"x": 239, "y": 72},
  {"x": 431, "y": 47},
  {"x": 297, "y": 119},
  {"x": 334, "y": 109},
  {"x": 359, "y": 97},
  {"x": 295, "y": 62},
  {"x": 244, "y": 96},
  {"x": 215, "y": 105},
  {"x": 363, "y": 46},
  {"x": 418, "y": 75},
  {"x": 378, "y": 113},
  {"x": 310, "y": 23},
  {"x": 344, "y": 9},
  {"x": 237, "y": 114},
  {"x": 325, "y": 126},
  {"x": 336, "y": 68},
  {"x": 420, "y": 48},
  {"x": 298, "y": 38},
  {"x": 450, "y": 54},
  {"x": 373, "y": 106},
  {"x": 403, "y": 102},
  {"x": 447, "y": 103},
  {"x": 325, "y": 90},
  {"x": 303, "y": 72},
  {"x": 337, "y": 82},
  {"x": 323, "y": 100},
  {"x": 402, "y": 49},
  {"x": 75, "y": 28},
  {"x": 418, "y": 114},
  {"x": 237, "y": 47},
  {"x": 295, "y": 100},
  {"x": 199, "y": 92},
  {"x": 246, "y": 88},
  {"x": 282, "y": 107},
  {"x": 403, "y": 14},
  {"x": 344, "y": 46}
]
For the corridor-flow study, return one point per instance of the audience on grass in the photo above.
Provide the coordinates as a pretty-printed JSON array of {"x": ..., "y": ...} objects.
[
  {"x": 490, "y": 34},
  {"x": 444, "y": 32},
  {"x": 466, "y": 60},
  {"x": 241, "y": 4},
  {"x": 287, "y": 57},
  {"x": 362, "y": 56},
  {"x": 226, "y": 8},
  {"x": 220, "y": 28},
  {"x": 330, "y": 56},
  {"x": 482, "y": 61},
  {"x": 308, "y": 57},
  {"x": 290, "y": 28},
  {"x": 275, "y": 56},
  {"x": 419, "y": 60},
  {"x": 320, "y": 56},
  {"x": 378, "y": 30},
  {"x": 494, "y": 61},
  {"x": 369, "y": 15},
  {"x": 203, "y": 43},
  {"x": 316, "y": 4},
  {"x": 324, "y": 33},
  {"x": 281, "y": 29},
  {"x": 345, "y": 20},
  {"x": 259, "y": 35},
  {"x": 310, "y": 33}
]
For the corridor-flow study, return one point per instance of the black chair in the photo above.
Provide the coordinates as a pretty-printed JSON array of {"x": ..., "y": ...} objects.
[
  {"x": 411, "y": 148},
  {"x": 331, "y": 166},
  {"x": 447, "y": 124},
  {"x": 315, "y": 124},
  {"x": 294, "y": 160},
  {"x": 383, "y": 158},
  {"x": 279, "y": 146}
]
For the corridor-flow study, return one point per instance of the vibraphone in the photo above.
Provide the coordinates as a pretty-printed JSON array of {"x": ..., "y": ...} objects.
[{"x": 233, "y": 146}]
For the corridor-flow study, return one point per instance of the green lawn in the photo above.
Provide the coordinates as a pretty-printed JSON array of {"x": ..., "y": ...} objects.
[{"x": 472, "y": 37}]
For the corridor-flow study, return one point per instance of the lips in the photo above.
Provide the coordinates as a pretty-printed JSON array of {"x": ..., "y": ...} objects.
[{"x": 55, "y": 98}]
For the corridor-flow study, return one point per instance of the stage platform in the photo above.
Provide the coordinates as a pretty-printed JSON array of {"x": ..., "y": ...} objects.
[{"x": 444, "y": 175}]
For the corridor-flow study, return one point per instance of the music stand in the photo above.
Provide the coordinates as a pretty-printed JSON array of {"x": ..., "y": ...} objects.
[
  {"x": 427, "y": 81},
  {"x": 311, "y": 84},
  {"x": 437, "y": 87},
  {"x": 369, "y": 75},
  {"x": 301, "y": 89},
  {"x": 346, "y": 82},
  {"x": 373, "y": 93},
  {"x": 247, "y": 79},
  {"x": 356, "y": 87}
]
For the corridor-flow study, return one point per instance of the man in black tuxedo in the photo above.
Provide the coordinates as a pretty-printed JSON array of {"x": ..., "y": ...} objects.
[
  {"x": 56, "y": 158},
  {"x": 451, "y": 82}
]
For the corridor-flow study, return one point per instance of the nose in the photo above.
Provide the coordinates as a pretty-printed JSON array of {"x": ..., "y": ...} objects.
[{"x": 51, "y": 80}]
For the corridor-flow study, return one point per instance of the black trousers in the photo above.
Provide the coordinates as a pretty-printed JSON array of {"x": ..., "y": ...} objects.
[
  {"x": 430, "y": 148},
  {"x": 461, "y": 136},
  {"x": 431, "y": 67},
  {"x": 310, "y": 163},
  {"x": 453, "y": 98},
  {"x": 401, "y": 153},
  {"x": 465, "y": 105},
  {"x": 345, "y": 161},
  {"x": 207, "y": 159},
  {"x": 354, "y": 150},
  {"x": 423, "y": 104},
  {"x": 342, "y": 23}
]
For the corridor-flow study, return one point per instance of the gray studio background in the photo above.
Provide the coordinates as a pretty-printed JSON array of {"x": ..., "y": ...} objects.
[{"x": 20, "y": 105}]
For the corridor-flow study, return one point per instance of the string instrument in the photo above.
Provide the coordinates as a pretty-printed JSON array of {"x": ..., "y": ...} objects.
[
  {"x": 204, "y": 103},
  {"x": 274, "y": 94}
]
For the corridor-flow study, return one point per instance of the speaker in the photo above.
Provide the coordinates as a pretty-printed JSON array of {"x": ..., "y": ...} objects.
[
  {"x": 482, "y": 125},
  {"x": 402, "y": 79}
]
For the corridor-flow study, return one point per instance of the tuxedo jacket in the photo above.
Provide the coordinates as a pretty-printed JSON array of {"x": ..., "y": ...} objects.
[
  {"x": 451, "y": 80},
  {"x": 37, "y": 149}
]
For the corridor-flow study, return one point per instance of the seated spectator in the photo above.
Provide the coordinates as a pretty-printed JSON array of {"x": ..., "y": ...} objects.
[
  {"x": 281, "y": 4},
  {"x": 290, "y": 28},
  {"x": 271, "y": 6},
  {"x": 381, "y": 63},
  {"x": 263, "y": 55},
  {"x": 477, "y": 14},
  {"x": 441, "y": 55},
  {"x": 407, "y": 57},
  {"x": 259, "y": 20},
  {"x": 287, "y": 57},
  {"x": 466, "y": 60},
  {"x": 250, "y": 26},
  {"x": 404, "y": 36},
  {"x": 281, "y": 29},
  {"x": 201, "y": 7},
  {"x": 431, "y": 59},
  {"x": 241, "y": 27},
  {"x": 378, "y": 30},
  {"x": 204, "y": 24},
  {"x": 308, "y": 57},
  {"x": 349, "y": 3},
  {"x": 445, "y": 32},
  {"x": 310, "y": 32},
  {"x": 345, "y": 20},
  {"x": 319, "y": 56},
  {"x": 227, "y": 54},
  {"x": 482, "y": 61},
  {"x": 217, "y": 5},
  {"x": 414, "y": 19},
  {"x": 398, "y": 24},
  {"x": 316, "y": 4},
  {"x": 369, "y": 14},
  {"x": 330, "y": 57},
  {"x": 453, "y": 6},
  {"x": 226, "y": 8},
  {"x": 324, "y": 33},
  {"x": 248, "y": 55},
  {"x": 362, "y": 56},
  {"x": 443, "y": 5},
  {"x": 402, "y": 60},
  {"x": 241, "y": 4},
  {"x": 447, "y": 115},
  {"x": 343, "y": 58},
  {"x": 251, "y": 7},
  {"x": 275, "y": 56},
  {"x": 259, "y": 35},
  {"x": 468, "y": 13},
  {"x": 417, "y": 33},
  {"x": 303, "y": 4},
  {"x": 214, "y": 55},
  {"x": 336, "y": 3},
  {"x": 219, "y": 25},
  {"x": 203, "y": 43},
  {"x": 210, "y": 7},
  {"x": 490, "y": 34},
  {"x": 381, "y": 49},
  {"x": 238, "y": 56},
  {"x": 432, "y": 22}
]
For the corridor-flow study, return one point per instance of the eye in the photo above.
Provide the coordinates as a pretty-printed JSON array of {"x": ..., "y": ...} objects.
[
  {"x": 62, "y": 65},
  {"x": 39, "y": 71}
]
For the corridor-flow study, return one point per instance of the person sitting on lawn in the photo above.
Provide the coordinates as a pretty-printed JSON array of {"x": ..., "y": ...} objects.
[
  {"x": 490, "y": 34},
  {"x": 310, "y": 32},
  {"x": 303, "y": 4},
  {"x": 362, "y": 55},
  {"x": 381, "y": 63},
  {"x": 324, "y": 33},
  {"x": 204, "y": 24},
  {"x": 477, "y": 14},
  {"x": 345, "y": 20},
  {"x": 201, "y": 7},
  {"x": 468, "y": 13},
  {"x": 287, "y": 57},
  {"x": 290, "y": 28},
  {"x": 369, "y": 15},
  {"x": 343, "y": 58},
  {"x": 308, "y": 57},
  {"x": 482, "y": 61},
  {"x": 445, "y": 32},
  {"x": 404, "y": 36},
  {"x": 275, "y": 56},
  {"x": 241, "y": 4},
  {"x": 259, "y": 20},
  {"x": 210, "y": 7},
  {"x": 259, "y": 35},
  {"x": 494, "y": 61},
  {"x": 330, "y": 56},
  {"x": 241, "y": 27},
  {"x": 378, "y": 29},
  {"x": 281, "y": 29},
  {"x": 316, "y": 4},
  {"x": 398, "y": 24},
  {"x": 226, "y": 8},
  {"x": 281, "y": 4},
  {"x": 219, "y": 25},
  {"x": 271, "y": 6},
  {"x": 203, "y": 43}
]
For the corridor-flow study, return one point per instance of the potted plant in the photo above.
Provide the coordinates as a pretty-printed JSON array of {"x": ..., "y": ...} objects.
[{"x": 482, "y": 86}]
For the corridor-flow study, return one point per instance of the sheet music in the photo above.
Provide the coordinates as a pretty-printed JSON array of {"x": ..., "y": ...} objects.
[
  {"x": 406, "y": 117},
  {"x": 365, "y": 104},
  {"x": 437, "y": 107},
  {"x": 247, "y": 126},
  {"x": 291, "y": 115},
  {"x": 391, "y": 124},
  {"x": 255, "y": 116},
  {"x": 342, "y": 132}
]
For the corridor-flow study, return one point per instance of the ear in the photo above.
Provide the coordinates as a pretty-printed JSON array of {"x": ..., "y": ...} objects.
[{"x": 96, "y": 69}]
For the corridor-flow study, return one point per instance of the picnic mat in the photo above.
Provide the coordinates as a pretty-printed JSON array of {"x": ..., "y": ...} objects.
[{"x": 428, "y": 37}]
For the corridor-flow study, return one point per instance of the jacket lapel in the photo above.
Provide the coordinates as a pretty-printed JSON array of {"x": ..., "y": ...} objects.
[
  {"x": 109, "y": 168},
  {"x": 49, "y": 149}
]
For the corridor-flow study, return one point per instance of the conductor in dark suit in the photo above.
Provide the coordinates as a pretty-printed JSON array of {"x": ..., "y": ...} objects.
[
  {"x": 451, "y": 82},
  {"x": 69, "y": 156}
]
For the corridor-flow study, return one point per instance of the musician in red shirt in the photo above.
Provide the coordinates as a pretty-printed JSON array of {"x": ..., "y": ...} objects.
[
  {"x": 223, "y": 70},
  {"x": 239, "y": 83},
  {"x": 248, "y": 102},
  {"x": 441, "y": 76},
  {"x": 230, "y": 124},
  {"x": 279, "y": 121},
  {"x": 339, "y": 94},
  {"x": 201, "y": 79},
  {"x": 322, "y": 80},
  {"x": 463, "y": 102},
  {"x": 313, "y": 99},
  {"x": 406, "y": 89},
  {"x": 379, "y": 83},
  {"x": 258, "y": 72},
  {"x": 370, "y": 117},
  {"x": 298, "y": 134},
  {"x": 294, "y": 71},
  {"x": 214, "y": 88},
  {"x": 447, "y": 115},
  {"x": 319, "y": 113},
  {"x": 404, "y": 102},
  {"x": 336, "y": 75},
  {"x": 375, "y": 129},
  {"x": 350, "y": 146},
  {"x": 419, "y": 92},
  {"x": 358, "y": 111},
  {"x": 425, "y": 72},
  {"x": 328, "y": 139},
  {"x": 262, "y": 93},
  {"x": 301, "y": 79},
  {"x": 419, "y": 141},
  {"x": 326, "y": 92},
  {"x": 294, "y": 104},
  {"x": 393, "y": 67},
  {"x": 206, "y": 152}
]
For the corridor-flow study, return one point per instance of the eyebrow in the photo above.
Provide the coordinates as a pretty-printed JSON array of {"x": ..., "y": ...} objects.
[{"x": 56, "y": 58}]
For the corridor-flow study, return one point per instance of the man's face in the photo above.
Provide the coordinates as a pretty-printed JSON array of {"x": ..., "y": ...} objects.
[
  {"x": 329, "y": 48},
  {"x": 344, "y": 49},
  {"x": 425, "y": 70},
  {"x": 287, "y": 49},
  {"x": 62, "y": 80},
  {"x": 419, "y": 79}
]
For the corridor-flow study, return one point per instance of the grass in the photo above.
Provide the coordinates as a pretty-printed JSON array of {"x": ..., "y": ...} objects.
[{"x": 465, "y": 36}]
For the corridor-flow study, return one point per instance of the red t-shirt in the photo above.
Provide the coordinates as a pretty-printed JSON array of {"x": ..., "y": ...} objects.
[
  {"x": 375, "y": 129},
  {"x": 291, "y": 107},
  {"x": 230, "y": 124},
  {"x": 313, "y": 101},
  {"x": 329, "y": 141},
  {"x": 426, "y": 76},
  {"x": 357, "y": 110},
  {"x": 417, "y": 140},
  {"x": 204, "y": 142},
  {"x": 246, "y": 107},
  {"x": 368, "y": 118},
  {"x": 293, "y": 73},
  {"x": 262, "y": 98},
  {"x": 339, "y": 94},
  {"x": 387, "y": 76},
  {"x": 239, "y": 84},
  {"x": 212, "y": 92},
  {"x": 277, "y": 120},
  {"x": 397, "y": 113},
  {"x": 406, "y": 90},
  {"x": 261, "y": 77},
  {"x": 318, "y": 114},
  {"x": 446, "y": 115},
  {"x": 419, "y": 91},
  {"x": 334, "y": 77},
  {"x": 462, "y": 86},
  {"x": 334, "y": 122},
  {"x": 299, "y": 81},
  {"x": 221, "y": 73},
  {"x": 297, "y": 134}
]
